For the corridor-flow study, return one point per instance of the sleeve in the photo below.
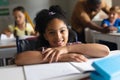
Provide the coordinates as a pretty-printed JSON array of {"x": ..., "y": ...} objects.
[
  {"x": 117, "y": 22},
  {"x": 105, "y": 23},
  {"x": 118, "y": 25},
  {"x": 11, "y": 28},
  {"x": 74, "y": 43},
  {"x": 30, "y": 28}
]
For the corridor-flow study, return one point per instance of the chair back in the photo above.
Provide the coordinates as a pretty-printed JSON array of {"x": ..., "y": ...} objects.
[
  {"x": 72, "y": 36},
  {"x": 26, "y": 44}
]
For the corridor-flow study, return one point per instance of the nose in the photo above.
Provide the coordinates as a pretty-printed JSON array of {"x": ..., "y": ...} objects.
[
  {"x": 111, "y": 15},
  {"x": 58, "y": 36},
  {"x": 17, "y": 19}
]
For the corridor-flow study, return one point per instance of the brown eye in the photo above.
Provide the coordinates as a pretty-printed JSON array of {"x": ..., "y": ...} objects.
[
  {"x": 62, "y": 31},
  {"x": 51, "y": 33}
]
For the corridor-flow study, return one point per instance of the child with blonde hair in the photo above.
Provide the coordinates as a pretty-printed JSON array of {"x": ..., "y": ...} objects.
[{"x": 113, "y": 20}]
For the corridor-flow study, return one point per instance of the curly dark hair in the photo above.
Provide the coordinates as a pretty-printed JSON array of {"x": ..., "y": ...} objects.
[
  {"x": 94, "y": 2},
  {"x": 43, "y": 18}
]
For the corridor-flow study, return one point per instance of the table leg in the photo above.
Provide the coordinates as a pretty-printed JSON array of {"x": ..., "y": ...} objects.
[{"x": 4, "y": 61}]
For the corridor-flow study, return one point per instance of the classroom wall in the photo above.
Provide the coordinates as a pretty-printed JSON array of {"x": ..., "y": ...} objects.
[
  {"x": 32, "y": 6},
  {"x": 116, "y": 2}
]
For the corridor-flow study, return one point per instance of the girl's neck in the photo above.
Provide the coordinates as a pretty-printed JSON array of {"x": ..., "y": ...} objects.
[{"x": 21, "y": 26}]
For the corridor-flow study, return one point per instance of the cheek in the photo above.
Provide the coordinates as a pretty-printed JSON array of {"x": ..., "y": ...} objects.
[
  {"x": 23, "y": 18},
  {"x": 66, "y": 36},
  {"x": 116, "y": 16},
  {"x": 48, "y": 37}
]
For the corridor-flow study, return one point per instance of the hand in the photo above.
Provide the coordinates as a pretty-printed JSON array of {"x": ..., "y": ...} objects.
[
  {"x": 8, "y": 34},
  {"x": 105, "y": 30},
  {"x": 112, "y": 28},
  {"x": 54, "y": 53},
  {"x": 72, "y": 57}
]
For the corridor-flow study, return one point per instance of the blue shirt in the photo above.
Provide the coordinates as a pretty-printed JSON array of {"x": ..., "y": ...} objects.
[{"x": 107, "y": 22}]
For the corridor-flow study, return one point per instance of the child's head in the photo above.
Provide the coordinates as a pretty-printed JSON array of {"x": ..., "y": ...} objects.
[
  {"x": 94, "y": 5},
  {"x": 114, "y": 13},
  {"x": 52, "y": 26},
  {"x": 19, "y": 15}
]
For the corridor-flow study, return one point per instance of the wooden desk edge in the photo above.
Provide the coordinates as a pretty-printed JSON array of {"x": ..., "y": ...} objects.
[{"x": 9, "y": 46}]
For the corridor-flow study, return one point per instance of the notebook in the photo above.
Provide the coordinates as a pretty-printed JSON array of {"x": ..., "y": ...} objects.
[
  {"x": 49, "y": 71},
  {"x": 96, "y": 76},
  {"x": 11, "y": 73},
  {"x": 108, "y": 67},
  {"x": 55, "y": 70},
  {"x": 84, "y": 66}
]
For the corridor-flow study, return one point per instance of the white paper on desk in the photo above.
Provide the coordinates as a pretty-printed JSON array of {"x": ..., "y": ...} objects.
[
  {"x": 4, "y": 37},
  {"x": 87, "y": 66},
  {"x": 48, "y": 71},
  {"x": 11, "y": 73},
  {"x": 84, "y": 66}
]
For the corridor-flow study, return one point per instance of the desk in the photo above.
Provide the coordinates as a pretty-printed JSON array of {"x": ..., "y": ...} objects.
[
  {"x": 12, "y": 73},
  {"x": 7, "y": 43},
  {"x": 111, "y": 37},
  {"x": 18, "y": 72},
  {"x": 7, "y": 49}
]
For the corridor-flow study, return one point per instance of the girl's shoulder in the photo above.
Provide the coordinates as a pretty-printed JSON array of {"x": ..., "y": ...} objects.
[{"x": 28, "y": 25}]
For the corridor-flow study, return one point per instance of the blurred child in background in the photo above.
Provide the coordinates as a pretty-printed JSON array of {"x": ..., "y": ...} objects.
[
  {"x": 21, "y": 26},
  {"x": 113, "y": 20}
]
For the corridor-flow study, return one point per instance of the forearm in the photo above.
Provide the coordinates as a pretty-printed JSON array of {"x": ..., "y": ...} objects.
[
  {"x": 92, "y": 50},
  {"x": 94, "y": 26},
  {"x": 29, "y": 57}
]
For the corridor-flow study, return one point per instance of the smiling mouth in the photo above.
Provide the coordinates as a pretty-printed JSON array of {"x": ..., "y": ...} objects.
[{"x": 60, "y": 43}]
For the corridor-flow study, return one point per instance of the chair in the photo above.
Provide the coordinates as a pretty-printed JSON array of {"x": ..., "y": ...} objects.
[
  {"x": 72, "y": 36},
  {"x": 26, "y": 44},
  {"x": 31, "y": 43}
]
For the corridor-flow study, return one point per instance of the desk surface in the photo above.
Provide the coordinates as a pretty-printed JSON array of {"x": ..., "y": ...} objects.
[
  {"x": 12, "y": 73},
  {"x": 114, "y": 34},
  {"x": 7, "y": 43},
  {"x": 111, "y": 37},
  {"x": 18, "y": 73},
  {"x": 7, "y": 48}
]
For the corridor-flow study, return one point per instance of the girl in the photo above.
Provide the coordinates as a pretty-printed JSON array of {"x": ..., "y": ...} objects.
[
  {"x": 21, "y": 27},
  {"x": 52, "y": 26}
]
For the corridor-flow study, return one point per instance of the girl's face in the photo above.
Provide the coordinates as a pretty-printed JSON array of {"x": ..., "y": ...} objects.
[
  {"x": 19, "y": 17},
  {"x": 113, "y": 15},
  {"x": 56, "y": 33}
]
